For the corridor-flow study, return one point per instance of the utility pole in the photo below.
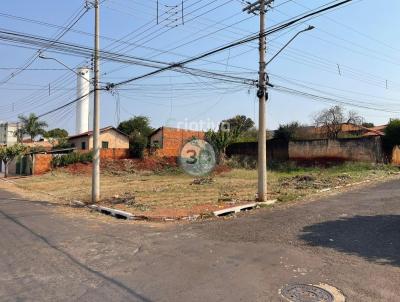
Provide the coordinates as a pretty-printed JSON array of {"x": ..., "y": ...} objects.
[
  {"x": 96, "y": 108},
  {"x": 252, "y": 8}
]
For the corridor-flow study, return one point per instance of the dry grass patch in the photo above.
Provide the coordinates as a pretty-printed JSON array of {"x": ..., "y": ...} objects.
[{"x": 176, "y": 194}]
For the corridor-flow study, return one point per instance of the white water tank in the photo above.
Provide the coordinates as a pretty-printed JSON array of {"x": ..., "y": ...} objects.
[{"x": 82, "y": 106}]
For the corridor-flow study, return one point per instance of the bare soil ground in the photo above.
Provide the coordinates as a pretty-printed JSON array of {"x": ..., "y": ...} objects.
[{"x": 159, "y": 189}]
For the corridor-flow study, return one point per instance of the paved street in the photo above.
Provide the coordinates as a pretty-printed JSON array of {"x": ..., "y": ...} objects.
[{"x": 350, "y": 241}]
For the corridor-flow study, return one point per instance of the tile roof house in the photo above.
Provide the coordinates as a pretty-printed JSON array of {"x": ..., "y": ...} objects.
[
  {"x": 169, "y": 141},
  {"x": 312, "y": 132},
  {"x": 110, "y": 138},
  {"x": 42, "y": 144}
]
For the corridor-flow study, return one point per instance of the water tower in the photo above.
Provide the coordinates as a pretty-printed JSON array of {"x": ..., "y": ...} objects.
[{"x": 82, "y": 106}]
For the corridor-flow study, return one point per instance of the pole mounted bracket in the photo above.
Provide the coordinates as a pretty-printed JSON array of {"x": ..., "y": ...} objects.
[
  {"x": 260, "y": 92},
  {"x": 253, "y": 8},
  {"x": 91, "y": 4}
]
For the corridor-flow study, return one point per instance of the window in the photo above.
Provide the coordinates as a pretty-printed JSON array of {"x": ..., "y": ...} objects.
[
  {"x": 83, "y": 145},
  {"x": 104, "y": 145}
]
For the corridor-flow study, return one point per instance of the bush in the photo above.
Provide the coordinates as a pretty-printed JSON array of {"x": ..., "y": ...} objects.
[
  {"x": 242, "y": 162},
  {"x": 71, "y": 158},
  {"x": 137, "y": 146},
  {"x": 392, "y": 136}
]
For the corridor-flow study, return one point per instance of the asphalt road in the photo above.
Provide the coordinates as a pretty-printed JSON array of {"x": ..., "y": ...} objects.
[{"x": 350, "y": 241}]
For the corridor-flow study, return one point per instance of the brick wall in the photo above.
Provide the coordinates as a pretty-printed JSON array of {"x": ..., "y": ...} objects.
[
  {"x": 367, "y": 149},
  {"x": 114, "y": 153},
  {"x": 173, "y": 140},
  {"x": 396, "y": 156},
  {"x": 42, "y": 163}
]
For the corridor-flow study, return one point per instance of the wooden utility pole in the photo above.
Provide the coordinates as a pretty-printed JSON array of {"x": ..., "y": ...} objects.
[
  {"x": 96, "y": 108},
  {"x": 260, "y": 7}
]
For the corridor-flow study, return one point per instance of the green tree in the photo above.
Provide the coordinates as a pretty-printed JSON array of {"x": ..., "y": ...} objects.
[
  {"x": 138, "y": 129},
  {"x": 56, "y": 133},
  {"x": 220, "y": 140},
  {"x": 138, "y": 125},
  {"x": 368, "y": 125},
  {"x": 392, "y": 134},
  {"x": 31, "y": 125},
  {"x": 7, "y": 154},
  {"x": 58, "y": 138},
  {"x": 287, "y": 132},
  {"x": 238, "y": 124}
]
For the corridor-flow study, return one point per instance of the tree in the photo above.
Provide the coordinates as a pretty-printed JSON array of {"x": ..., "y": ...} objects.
[
  {"x": 56, "y": 133},
  {"x": 58, "y": 138},
  {"x": 392, "y": 134},
  {"x": 138, "y": 129},
  {"x": 332, "y": 119},
  {"x": 250, "y": 135},
  {"x": 368, "y": 125},
  {"x": 31, "y": 125},
  {"x": 220, "y": 140},
  {"x": 287, "y": 132},
  {"x": 139, "y": 125},
  {"x": 7, "y": 154},
  {"x": 354, "y": 118},
  {"x": 238, "y": 123}
]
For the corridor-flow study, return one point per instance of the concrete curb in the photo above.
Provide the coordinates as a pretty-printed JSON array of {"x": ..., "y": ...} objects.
[
  {"x": 241, "y": 208},
  {"x": 115, "y": 213}
]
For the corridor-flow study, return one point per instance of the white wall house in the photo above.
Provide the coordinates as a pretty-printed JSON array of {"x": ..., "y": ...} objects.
[
  {"x": 7, "y": 137},
  {"x": 7, "y": 133}
]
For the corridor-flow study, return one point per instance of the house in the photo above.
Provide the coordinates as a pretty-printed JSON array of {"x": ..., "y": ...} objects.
[
  {"x": 43, "y": 143},
  {"x": 7, "y": 137},
  {"x": 110, "y": 138},
  {"x": 8, "y": 134},
  {"x": 346, "y": 130},
  {"x": 375, "y": 131},
  {"x": 169, "y": 141}
]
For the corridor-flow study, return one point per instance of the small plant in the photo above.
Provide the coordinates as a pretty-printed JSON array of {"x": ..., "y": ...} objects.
[
  {"x": 242, "y": 162},
  {"x": 71, "y": 158}
]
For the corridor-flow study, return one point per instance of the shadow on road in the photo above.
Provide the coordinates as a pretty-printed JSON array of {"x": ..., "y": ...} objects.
[
  {"x": 134, "y": 295},
  {"x": 375, "y": 238}
]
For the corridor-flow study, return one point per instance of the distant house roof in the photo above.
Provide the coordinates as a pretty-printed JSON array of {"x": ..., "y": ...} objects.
[
  {"x": 350, "y": 128},
  {"x": 374, "y": 131},
  {"x": 90, "y": 133},
  {"x": 39, "y": 144}
]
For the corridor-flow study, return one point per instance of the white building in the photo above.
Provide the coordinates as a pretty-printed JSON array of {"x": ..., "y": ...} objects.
[{"x": 7, "y": 137}]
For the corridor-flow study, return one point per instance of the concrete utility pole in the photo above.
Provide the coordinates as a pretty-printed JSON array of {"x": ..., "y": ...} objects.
[
  {"x": 260, "y": 6},
  {"x": 96, "y": 108}
]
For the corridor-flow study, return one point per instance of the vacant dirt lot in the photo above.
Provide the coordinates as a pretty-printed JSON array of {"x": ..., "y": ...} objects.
[{"x": 167, "y": 192}]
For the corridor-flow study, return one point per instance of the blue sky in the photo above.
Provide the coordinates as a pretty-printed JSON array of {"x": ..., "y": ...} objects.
[{"x": 361, "y": 40}]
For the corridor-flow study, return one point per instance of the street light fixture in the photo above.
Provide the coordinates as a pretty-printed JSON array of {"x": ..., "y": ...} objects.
[
  {"x": 41, "y": 56},
  {"x": 290, "y": 41}
]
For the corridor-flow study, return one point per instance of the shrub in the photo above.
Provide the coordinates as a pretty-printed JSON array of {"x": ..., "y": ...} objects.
[
  {"x": 137, "y": 146},
  {"x": 392, "y": 135},
  {"x": 242, "y": 162},
  {"x": 71, "y": 158}
]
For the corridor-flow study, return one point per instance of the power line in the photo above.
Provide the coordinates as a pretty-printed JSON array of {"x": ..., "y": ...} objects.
[
  {"x": 33, "y": 58},
  {"x": 326, "y": 99},
  {"x": 231, "y": 45},
  {"x": 234, "y": 44}
]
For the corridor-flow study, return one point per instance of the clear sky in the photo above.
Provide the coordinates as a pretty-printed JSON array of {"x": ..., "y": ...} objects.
[{"x": 352, "y": 55}]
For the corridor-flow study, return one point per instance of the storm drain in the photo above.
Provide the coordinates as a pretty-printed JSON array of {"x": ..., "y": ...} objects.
[{"x": 306, "y": 293}]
